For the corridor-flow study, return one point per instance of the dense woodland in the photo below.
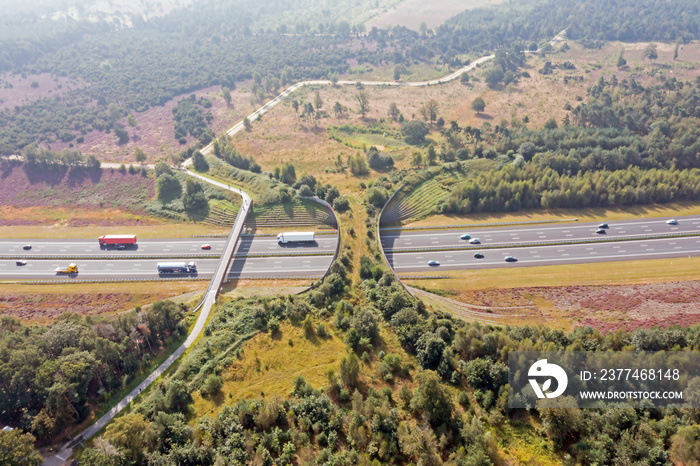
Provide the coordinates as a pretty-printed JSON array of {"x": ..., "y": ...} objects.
[
  {"x": 136, "y": 68},
  {"x": 51, "y": 373}
]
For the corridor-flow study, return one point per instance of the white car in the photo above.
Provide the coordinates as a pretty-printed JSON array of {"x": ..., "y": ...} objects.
[
  {"x": 474, "y": 241},
  {"x": 671, "y": 222}
]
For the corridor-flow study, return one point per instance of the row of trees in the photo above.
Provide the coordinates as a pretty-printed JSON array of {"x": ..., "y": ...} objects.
[{"x": 513, "y": 188}]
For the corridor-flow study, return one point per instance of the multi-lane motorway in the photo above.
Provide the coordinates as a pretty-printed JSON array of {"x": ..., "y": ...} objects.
[
  {"x": 641, "y": 241},
  {"x": 161, "y": 247},
  {"x": 292, "y": 260},
  {"x": 423, "y": 239}
]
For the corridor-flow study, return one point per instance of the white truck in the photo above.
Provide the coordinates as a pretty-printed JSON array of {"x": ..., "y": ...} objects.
[
  {"x": 297, "y": 237},
  {"x": 177, "y": 267}
]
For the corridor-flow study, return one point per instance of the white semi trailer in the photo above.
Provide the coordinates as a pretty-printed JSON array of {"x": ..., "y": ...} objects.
[{"x": 296, "y": 237}]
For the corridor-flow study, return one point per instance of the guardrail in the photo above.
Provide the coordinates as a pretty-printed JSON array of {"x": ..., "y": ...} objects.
[{"x": 544, "y": 243}]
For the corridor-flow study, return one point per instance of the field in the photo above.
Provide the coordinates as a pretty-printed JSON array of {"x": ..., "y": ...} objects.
[
  {"x": 269, "y": 364},
  {"x": 609, "y": 296},
  {"x": 43, "y": 303}
]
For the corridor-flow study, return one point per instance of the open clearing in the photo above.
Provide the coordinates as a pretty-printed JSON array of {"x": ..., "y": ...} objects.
[
  {"x": 607, "y": 296},
  {"x": 33, "y": 303}
]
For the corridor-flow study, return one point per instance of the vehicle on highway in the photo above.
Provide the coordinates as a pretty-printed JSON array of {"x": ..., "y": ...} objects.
[
  {"x": 511, "y": 259},
  {"x": 27, "y": 247},
  {"x": 21, "y": 262},
  {"x": 433, "y": 263},
  {"x": 72, "y": 268},
  {"x": 474, "y": 241},
  {"x": 296, "y": 237},
  {"x": 478, "y": 255},
  {"x": 600, "y": 231},
  {"x": 603, "y": 225},
  {"x": 121, "y": 246},
  {"x": 206, "y": 246},
  {"x": 176, "y": 267},
  {"x": 114, "y": 240},
  {"x": 671, "y": 222},
  {"x": 466, "y": 236}
]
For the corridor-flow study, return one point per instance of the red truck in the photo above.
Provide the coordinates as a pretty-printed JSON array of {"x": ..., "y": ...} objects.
[{"x": 116, "y": 240}]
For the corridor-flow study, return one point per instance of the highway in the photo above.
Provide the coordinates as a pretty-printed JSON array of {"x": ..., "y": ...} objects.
[
  {"x": 161, "y": 247},
  {"x": 241, "y": 267},
  {"x": 557, "y": 232},
  {"x": 545, "y": 255}
]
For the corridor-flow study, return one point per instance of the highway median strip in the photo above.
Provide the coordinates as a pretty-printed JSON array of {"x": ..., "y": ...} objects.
[{"x": 476, "y": 247}]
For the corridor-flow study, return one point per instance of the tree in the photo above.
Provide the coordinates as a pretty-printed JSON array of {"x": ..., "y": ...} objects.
[
  {"x": 17, "y": 449},
  {"x": 140, "y": 155},
  {"x": 432, "y": 109},
  {"x": 432, "y": 155},
  {"x": 650, "y": 52},
  {"x": 621, "y": 60},
  {"x": 288, "y": 174},
  {"x": 318, "y": 103},
  {"x": 685, "y": 445},
  {"x": 675, "y": 50},
  {"x": 226, "y": 94},
  {"x": 416, "y": 159},
  {"x": 338, "y": 109},
  {"x": 393, "y": 111},
  {"x": 478, "y": 105},
  {"x": 362, "y": 97},
  {"x": 168, "y": 188},
  {"x": 414, "y": 131},
  {"x": 397, "y": 72},
  {"x": 161, "y": 168},
  {"x": 133, "y": 434},
  {"x": 561, "y": 417},
  {"x": 246, "y": 124},
  {"x": 121, "y": 135},
  {"x": 431, "y": 398},
  {"x": 194, "y": 199},
  {"x": 131, "y": 120},
  {"x": 199, "y": 162},
  {"x": 350, "y": 370}
]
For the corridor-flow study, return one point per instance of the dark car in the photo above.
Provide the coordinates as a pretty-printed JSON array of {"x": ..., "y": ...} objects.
[
  {"x": 600, "y": 231},
  {"x": 511, "y": 259},
  {"x": 603, "y": 225},
  {"x": 478, "y": 255},
  {"x": 121, "y": 246},
  {"x": 21, "y": 262},
  {"x": 433, "y": 263},
  {"x": 27, "y": 247}
]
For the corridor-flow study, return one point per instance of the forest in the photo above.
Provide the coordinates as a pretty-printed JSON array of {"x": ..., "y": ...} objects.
[
  {"x": 51, "y": 374},
  {"x": 156, "y": 61}
]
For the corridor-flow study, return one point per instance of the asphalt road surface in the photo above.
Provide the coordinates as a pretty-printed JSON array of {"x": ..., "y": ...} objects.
[
  {"x": 546, "y": 255},
  {"x": 162, "y": 247},
  {"x": 408, "y": 239},
  {"x": 241, "y": 267}
]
